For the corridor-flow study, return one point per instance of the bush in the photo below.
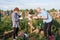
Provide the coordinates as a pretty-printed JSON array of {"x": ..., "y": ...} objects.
[
  {"x": 1, "y": 28},
  {"x": 5, "y": 24},
  {"x": 24, "y": 25}
]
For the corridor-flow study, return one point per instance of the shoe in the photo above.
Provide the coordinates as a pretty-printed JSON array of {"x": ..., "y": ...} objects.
[
  {"x": 49, "y": 38},
  {"x": 52, "y": 37},
  {"x": 26, "y": 35},
  {"x": 14, "y": 39}
]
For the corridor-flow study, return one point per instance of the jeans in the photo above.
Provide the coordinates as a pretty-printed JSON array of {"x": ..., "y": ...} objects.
[
  {"x": 15, "y": 32},
  {"x": 47, "y": 29}
]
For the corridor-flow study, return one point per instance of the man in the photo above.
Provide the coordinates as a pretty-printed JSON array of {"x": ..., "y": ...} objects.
[
  {"x": 15, "y": 22},
  {"x": 47, "y": 20}
]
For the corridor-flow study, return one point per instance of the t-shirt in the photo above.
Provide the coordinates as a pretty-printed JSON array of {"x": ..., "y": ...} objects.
[{"x": 45, "y": 14}]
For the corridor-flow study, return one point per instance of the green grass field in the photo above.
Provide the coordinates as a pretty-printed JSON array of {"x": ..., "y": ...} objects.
[{"x": 6, "y": 25}]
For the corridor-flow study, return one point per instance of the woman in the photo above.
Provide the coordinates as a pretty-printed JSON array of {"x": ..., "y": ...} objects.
[
  {"x": 30, "y": 17},
  {"x": 15, "y": 22}
]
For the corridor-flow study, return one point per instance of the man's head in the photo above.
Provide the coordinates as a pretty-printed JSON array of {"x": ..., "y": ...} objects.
[{"x": 38, "y": 9}]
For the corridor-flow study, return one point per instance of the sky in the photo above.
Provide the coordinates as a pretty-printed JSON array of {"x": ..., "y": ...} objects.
[{"x": 29, "y": 4}]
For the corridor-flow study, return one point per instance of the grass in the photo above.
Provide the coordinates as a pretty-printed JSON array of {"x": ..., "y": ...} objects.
[{"x": 25, "y": 27}]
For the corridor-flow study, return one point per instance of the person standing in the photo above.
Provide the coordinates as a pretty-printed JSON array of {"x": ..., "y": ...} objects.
[
  {"x": 30, "y": 17},
  {"x": 15, "y": 22},
  {"x": 47, "y": 20}
]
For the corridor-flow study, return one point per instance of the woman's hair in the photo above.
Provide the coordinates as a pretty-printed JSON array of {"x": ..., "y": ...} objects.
[
  {"x": 31, "y": 11},
  {"x": 16, "y": 9}
]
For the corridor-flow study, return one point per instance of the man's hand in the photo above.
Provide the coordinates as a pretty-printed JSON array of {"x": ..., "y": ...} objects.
[
  {"x": 35, "y": 17},
  {"x": 40, "y": 17},
  {"x": 44, "y": 18}
]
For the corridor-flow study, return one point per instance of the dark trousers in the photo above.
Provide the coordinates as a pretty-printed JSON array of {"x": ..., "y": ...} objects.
[
  {"x": 15, "y": 32},
  {"x": 47, "y": 29}
]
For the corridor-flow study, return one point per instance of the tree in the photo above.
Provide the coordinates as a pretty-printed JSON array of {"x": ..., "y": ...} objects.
[{"x": 53, "y": 10}]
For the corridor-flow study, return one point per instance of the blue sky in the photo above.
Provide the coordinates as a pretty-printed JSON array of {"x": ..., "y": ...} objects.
[{"x": 28, "y": 4}]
